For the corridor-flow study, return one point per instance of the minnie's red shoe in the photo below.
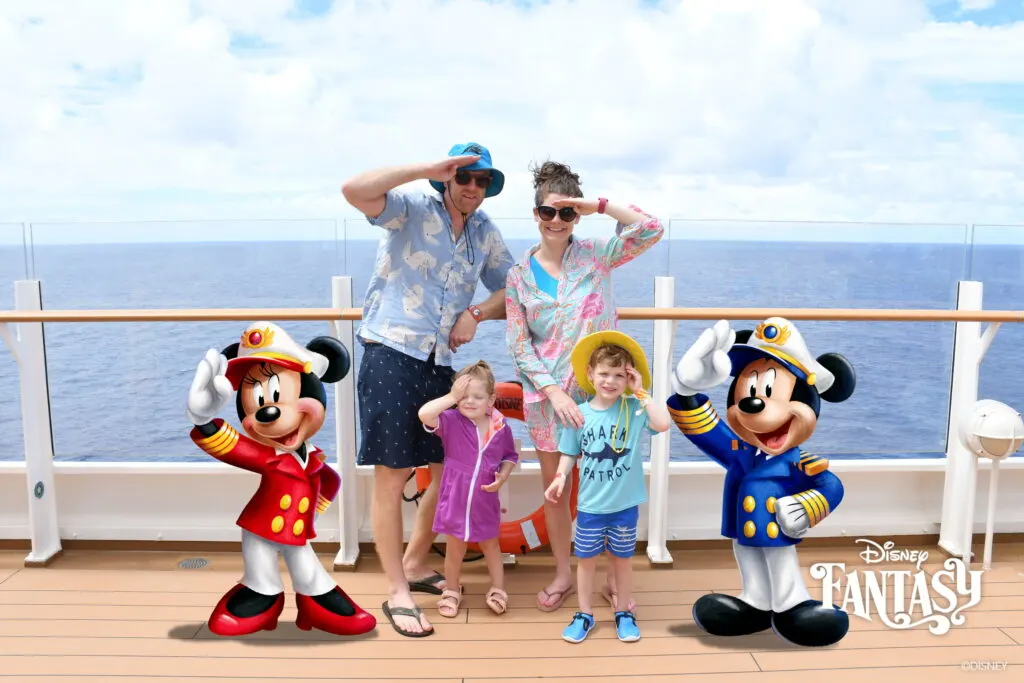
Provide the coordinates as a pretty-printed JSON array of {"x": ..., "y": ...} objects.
[
  {"x": 333, "y": 612},
  {"x": 242, "y": 611}
]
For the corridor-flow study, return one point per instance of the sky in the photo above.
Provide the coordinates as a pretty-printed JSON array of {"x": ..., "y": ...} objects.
[{"x": 148, "y": 120}]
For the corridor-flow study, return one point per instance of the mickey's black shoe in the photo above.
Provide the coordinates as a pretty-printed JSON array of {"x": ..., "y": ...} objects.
[
  {"x": 725, "y": 615},
  {"x": 811, "y": 624}
]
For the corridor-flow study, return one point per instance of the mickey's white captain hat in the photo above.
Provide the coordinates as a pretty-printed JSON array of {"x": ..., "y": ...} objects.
[
  {"x": 264, "y": 342},
  {"x": 778, "y": 339}
]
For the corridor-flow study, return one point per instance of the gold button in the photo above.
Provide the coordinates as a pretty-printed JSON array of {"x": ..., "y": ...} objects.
[
  {"x": 277, "y": 524},
  {"x": 749, "y": 529},
  {"x": 773, "y": 529},
  {"x": 298, "y": 527},
  {"x": 749, "y": 504},
  {"x": 770, "y": 503},
  {"x": 286, "y": 501},
  {"x": 303, "y": 505}
]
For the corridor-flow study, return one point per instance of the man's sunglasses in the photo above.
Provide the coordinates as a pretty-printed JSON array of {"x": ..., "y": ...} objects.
[
  {"x": 566, "y": 213},
  {"x": 482, "y": 181}
]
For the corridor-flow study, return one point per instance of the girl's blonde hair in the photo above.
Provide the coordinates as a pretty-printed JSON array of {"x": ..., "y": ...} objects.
[{"x": 479, "y": 370}]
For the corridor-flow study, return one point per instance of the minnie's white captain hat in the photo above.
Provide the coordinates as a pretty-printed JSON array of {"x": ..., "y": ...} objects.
[
  {"x": 779, "y": 339},
  {"x": 265, "y": 342}
]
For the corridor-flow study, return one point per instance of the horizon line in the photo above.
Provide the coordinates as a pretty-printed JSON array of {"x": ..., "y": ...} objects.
[
  {"x": 1019, "y": 241},
  {"x": 524, "y": 217}
]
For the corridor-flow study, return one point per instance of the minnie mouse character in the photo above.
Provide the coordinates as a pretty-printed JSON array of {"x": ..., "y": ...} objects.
[
  {"x": 774, "y": 491},
  {"x": 281, "y": 402}
]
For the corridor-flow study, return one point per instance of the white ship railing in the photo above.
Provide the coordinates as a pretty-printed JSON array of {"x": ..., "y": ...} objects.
[{"x": 22, "y": 331}]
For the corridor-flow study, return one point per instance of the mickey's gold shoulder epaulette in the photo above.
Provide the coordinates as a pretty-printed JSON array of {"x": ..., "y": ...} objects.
[{"x": 811, "y": 464}]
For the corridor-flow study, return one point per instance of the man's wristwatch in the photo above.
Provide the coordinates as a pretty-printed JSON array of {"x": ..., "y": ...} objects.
[{"x": 475, "y": 311}]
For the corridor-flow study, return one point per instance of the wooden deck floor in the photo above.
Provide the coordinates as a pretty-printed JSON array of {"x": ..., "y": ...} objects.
[{"x": 137, "y": 616}]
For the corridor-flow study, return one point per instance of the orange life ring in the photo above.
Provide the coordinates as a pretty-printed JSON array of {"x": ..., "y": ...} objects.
[{"x": 531, "y": 532}]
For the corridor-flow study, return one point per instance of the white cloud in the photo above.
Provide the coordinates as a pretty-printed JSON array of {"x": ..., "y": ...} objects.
[
  {"x": 793, "y": 109},
  {"x": 976, "y": 5}
]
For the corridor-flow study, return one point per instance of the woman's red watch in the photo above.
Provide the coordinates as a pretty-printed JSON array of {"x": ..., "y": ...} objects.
[
  {"x": 475, "y": 311},
  {"x": 601, "y": 203}
]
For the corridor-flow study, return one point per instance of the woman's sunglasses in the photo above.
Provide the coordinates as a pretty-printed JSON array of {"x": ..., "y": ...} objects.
[
  {"x": 566, "y": 213},
  {"x": 463, "y": 178}
]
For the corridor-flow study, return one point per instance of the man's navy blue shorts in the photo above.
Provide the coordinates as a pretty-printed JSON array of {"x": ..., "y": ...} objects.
[{"x": 391, "y": 388}]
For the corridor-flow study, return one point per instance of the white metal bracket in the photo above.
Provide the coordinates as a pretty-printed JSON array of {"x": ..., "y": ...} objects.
[
  {"x": 11, "y": 341},
  {"x": 986, "y": 340},
  {"x": 990, "y": 520}
]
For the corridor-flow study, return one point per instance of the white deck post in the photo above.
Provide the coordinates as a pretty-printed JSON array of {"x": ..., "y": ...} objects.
[
  {"x": 958, "y": 498},
  {"x": 28, "y": 347},
  {"x": 345, "y": 428},
  {"x": 664, "y": 332}
]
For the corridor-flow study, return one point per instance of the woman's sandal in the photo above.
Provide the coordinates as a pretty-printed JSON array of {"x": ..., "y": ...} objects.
[
  {"x": 560, "y": 598},
  {"x": 497, "y": 600},
  {"x": 448, "y": 605}
]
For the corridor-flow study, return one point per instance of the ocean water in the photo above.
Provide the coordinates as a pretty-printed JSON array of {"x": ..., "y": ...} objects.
[{"x": 118, "y": 389}]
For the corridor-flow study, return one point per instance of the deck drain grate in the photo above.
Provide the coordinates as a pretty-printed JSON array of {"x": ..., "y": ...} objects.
[{"x": 193, "y": 563}]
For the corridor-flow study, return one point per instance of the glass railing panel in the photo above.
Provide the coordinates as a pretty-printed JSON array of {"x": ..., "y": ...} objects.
[
  {"x": 900, "y": 406},
  {"x": 998, "y": 263},
  {"x": 14, "y": 257},
  {"x": 633, "y": 285},
  {"x": 118, "y": 390}
]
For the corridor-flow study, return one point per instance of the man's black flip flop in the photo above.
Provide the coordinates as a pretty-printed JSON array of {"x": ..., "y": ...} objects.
[
  {"x": 413, "y": 612},
  {"x": 428, "y": 585}
]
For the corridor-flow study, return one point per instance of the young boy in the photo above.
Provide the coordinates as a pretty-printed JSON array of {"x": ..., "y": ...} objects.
[{"x": 612, "y": 367}]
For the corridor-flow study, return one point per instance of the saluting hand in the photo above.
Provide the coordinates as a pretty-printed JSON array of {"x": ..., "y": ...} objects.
[
  {"x": 706, "y": 363},
  {"x": 633, "y": 379},
  {"x": 584, "y": 207},
  {"x": 443, "y": 171},
  {"x": 210, "y": 388},
  {"x": 460, "y": 388}
]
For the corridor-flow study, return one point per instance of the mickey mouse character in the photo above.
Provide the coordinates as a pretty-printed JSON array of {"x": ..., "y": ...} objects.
[
  {"x": 774, "y": 491},
  {"x": 281, "y": 401}
]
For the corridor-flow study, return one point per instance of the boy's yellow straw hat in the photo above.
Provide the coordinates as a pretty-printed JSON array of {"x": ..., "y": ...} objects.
[{"x": 586, "y": 346}]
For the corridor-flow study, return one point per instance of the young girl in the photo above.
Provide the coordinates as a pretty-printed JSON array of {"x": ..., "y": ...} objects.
[{"x": 479, "y": 455}]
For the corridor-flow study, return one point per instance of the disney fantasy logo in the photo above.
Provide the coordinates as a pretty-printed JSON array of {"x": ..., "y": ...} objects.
[{"x": 936, "y": 598}]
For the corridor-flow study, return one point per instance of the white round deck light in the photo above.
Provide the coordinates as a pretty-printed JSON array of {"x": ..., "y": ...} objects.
[{"x": 994, "y": 431}]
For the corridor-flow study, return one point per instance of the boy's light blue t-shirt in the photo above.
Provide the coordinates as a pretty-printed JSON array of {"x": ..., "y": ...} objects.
[{"x": 609, "y": 481}]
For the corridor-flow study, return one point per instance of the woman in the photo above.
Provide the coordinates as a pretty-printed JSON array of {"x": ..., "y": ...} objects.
[{"x": 560, "y": 291}]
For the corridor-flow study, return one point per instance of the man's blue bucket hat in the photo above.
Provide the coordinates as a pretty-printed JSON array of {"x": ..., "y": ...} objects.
[{"x": 481, "y": 164}]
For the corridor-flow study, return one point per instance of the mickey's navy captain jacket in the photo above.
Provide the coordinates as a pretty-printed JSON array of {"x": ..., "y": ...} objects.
[{"x": 755, "y": 481}]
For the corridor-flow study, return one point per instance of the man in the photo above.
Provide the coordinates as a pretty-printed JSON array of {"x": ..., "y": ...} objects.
[{"x": 418, "y": 311}]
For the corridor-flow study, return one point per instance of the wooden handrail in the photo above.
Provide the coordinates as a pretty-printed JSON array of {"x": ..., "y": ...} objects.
[{"x": 293, "y": 314}]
